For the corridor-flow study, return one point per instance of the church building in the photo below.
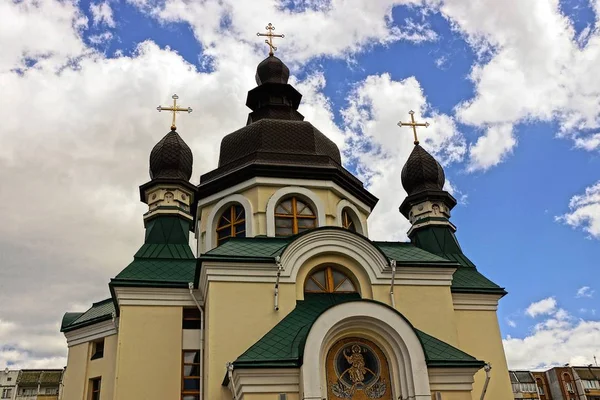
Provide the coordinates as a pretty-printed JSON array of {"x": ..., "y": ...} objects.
[{"x": 287, "y": 297}]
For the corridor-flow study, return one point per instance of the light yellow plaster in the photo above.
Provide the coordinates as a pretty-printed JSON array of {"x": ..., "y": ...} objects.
[
  {"x": 149, "y": 352},
  {"x": 75, "y": 374},
  {"x": 269, "y": 396},
  {"x": 104, "y": 367},
  {"x": 428, "y": 308},
  {"x": 461, "y": 395},
  {"x": 479, "y": 335},
  {"x": 238, "y": 315}
]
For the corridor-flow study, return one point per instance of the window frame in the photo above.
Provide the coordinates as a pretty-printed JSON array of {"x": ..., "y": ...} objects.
[
  {"x": 185, "y": 392},
  {"x": 97, "y": 353},
  {"x": 233, "y": 223},
  {"x": 193, "y": 318},
  {"x": 92, "y": 391},
  {"x": 348, "y": 222},
  {"x": 295, "y": 216},
  {"x": 330, "y": 286}
]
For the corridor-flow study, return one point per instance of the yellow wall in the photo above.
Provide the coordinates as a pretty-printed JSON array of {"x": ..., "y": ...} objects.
[
  {"x": 479, "y": 335},
  {"x": 428, "y": 308},
  {"x": 238, "y": 315},
  {"x": 149, "y": 353},
  {"x": 270, "y": 396},
  {"x": 456, "y": 396},
  {"x": 80, "y": 369}
]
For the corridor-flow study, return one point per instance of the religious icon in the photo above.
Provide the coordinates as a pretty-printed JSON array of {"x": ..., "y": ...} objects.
[{"x": 357, "y": 369}]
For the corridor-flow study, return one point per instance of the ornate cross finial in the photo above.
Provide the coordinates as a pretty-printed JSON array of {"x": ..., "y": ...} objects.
[
  {"x": 413, "y": 124},
  {"x": 174, "y": 109},
  {"x": 270, "y": 28}
]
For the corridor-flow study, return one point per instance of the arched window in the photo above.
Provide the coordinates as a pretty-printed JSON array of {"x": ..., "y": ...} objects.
[
  {"x": 232, "y": 223},
  {"x": 293, "y": 216},
  {"x": 540, "y": 386},
  {"x": 329, "y": 280},
  {"x": 348, "y": 220}
]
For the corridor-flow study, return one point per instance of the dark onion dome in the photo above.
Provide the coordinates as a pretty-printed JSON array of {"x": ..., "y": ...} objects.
[
  {"x": 272, "y": 70},
  {"x": 422, "y": 172},
  {"x": 171, "y": 158}
]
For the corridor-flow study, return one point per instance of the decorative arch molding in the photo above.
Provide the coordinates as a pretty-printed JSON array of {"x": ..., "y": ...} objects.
[
  {"x": 305, "y": 194},
  {"x": 362, "y": 222},
  {"x": 215, "y": 213},
  {"x": 334, "y": 241},
  {"x": 378, "y": 323}
]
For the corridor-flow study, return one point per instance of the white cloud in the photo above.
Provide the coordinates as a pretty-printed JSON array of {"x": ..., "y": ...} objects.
[
  {"x": 102, "y": 14},
  {"x": 542, "y": 307},
  {"x": 585, "y": 291},
  {"x": 555, "y": 341},
  {"x": 511, "y": 323},
  {"x": 380, "y": 147},
  {"x": 491, "y": 148},
  {"x": 531, "y": 66},
  {"x": 584, "y": 211},
  {"x": 100, "y": 38}
]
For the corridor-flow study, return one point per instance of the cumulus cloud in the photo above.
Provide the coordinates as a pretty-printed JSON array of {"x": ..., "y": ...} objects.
[
  {"x": 559, "y": 339},
  {"x": 584, "y": 211},
  {"x": 585, "y": 291},
  {"x": 542, "y": 307},
  {"x": 491, "y": 148}
]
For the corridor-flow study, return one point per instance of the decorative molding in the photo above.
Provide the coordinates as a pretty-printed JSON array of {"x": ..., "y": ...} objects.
[
  {"x": 305, "y": 194},
  {"x": 136, "y": 296},
  {"x": 452, "y": 379},
  {"x": 264, "y": 380},
  {"x": 392, "y": 333},
  {"x": 265, "y": 181},
  {"x": 212, "y": 219},
  {"x": 475, "y": 301},
  {"x": 362, "y": 226},
  {"x": 90, "y": 333}
]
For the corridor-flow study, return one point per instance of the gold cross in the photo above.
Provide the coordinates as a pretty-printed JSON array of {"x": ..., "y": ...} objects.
[
  {"x": 174, "y": 109},
  {"x": 413, "y": 124},
  {"x": 270, "y": 28}
]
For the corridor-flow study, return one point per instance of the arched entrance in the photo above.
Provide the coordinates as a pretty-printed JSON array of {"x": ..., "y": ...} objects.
[{"x": 357, "y": 369}]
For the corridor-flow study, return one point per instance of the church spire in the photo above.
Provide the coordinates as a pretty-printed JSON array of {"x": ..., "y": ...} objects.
[
  {"x": 423, "y": 178},
  {"x": 169, "y": 192}
]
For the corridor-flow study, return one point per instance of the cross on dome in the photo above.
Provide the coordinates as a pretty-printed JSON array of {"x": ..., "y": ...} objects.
[
  {"x": 413, "y": 124},
  {"x": 174, "y": 109},
  {"x": 270, "y": 28}
]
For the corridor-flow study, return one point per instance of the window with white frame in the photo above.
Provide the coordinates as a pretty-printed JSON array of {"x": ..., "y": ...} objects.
[{"x": 590, "y": 384}]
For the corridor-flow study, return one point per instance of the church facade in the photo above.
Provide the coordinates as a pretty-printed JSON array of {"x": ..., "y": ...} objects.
[{"x": 288, "y": 298}]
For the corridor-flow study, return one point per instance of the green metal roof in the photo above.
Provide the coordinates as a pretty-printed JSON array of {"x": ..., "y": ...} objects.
[
  {"x": 283, "y": 346},
  {"x": 100, "y": 311},
  {"x": 262, "y": 248},
  {"x": 408, "y": 253}
]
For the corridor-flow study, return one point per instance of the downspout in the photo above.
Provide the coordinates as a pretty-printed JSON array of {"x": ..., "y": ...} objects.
[
  {"x": 393, "y": 300},
  {"x": 487, "y": 368},
  {"x": 114, "y": 321},
  {"x": 231, "y": 382},
  {"x": 279, "y": 269},
  {"x": 201, "y": 386}
]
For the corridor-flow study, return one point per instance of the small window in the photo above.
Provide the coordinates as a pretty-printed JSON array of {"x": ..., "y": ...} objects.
[
  {"x": 232, "y": 223},
  {"x": 97, "y": 349},
  {"x": 190, "y": 384},
  {"x": 191, "y": 318},
  {"x": 9, "y": 379},
  {"x": 293, "y": 216},
  {"x": 94, "y": 389},
  {"x": 329, "y": 280},
  {"x": 7, "y": 393},
  {"x": 348, "y": 221}
]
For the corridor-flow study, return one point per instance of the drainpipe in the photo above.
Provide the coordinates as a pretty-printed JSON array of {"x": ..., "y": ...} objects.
[
  {"x": 229, "y": 366},
  {"x": 487, "y": 368},
  {"x": 393, "y": 264},
  {"x": 114, "y": 321},
  {"x": 279, "y": 269},
  {"x": 201, "y": 387}
]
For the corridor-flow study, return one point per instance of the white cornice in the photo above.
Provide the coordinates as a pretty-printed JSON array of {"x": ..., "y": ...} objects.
[
  {"x": 91, "y": 332},
  {"x": 136, "y": 296},
  {"x": 475, "y": 301},
  {"x": 308, "y": 183},
  {"x": 265, "y": 380},
  {"x": 451, "y": 379}
]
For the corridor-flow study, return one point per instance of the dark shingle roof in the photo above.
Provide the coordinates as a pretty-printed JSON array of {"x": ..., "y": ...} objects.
[
  {"x": 283, "y": 346},
  {"x": 100, "y": 311},
  {"x": 43, "y": 377}
]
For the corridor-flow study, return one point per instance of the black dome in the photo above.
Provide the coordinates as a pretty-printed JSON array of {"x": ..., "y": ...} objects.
[
  {"x": 171, "y": 158},
  {"x": 280, "y": 141},
  {"x": 272, "y": 70},
  {"x": 422, "y": 172}
]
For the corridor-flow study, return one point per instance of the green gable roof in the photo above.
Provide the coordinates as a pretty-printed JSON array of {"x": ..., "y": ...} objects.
[
  {"x": 100, "y": 311},
  {"x": 283, "y": 346}
]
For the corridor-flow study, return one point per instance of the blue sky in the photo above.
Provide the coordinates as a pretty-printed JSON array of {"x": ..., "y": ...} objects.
[{"x": 515, "y": 120}]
